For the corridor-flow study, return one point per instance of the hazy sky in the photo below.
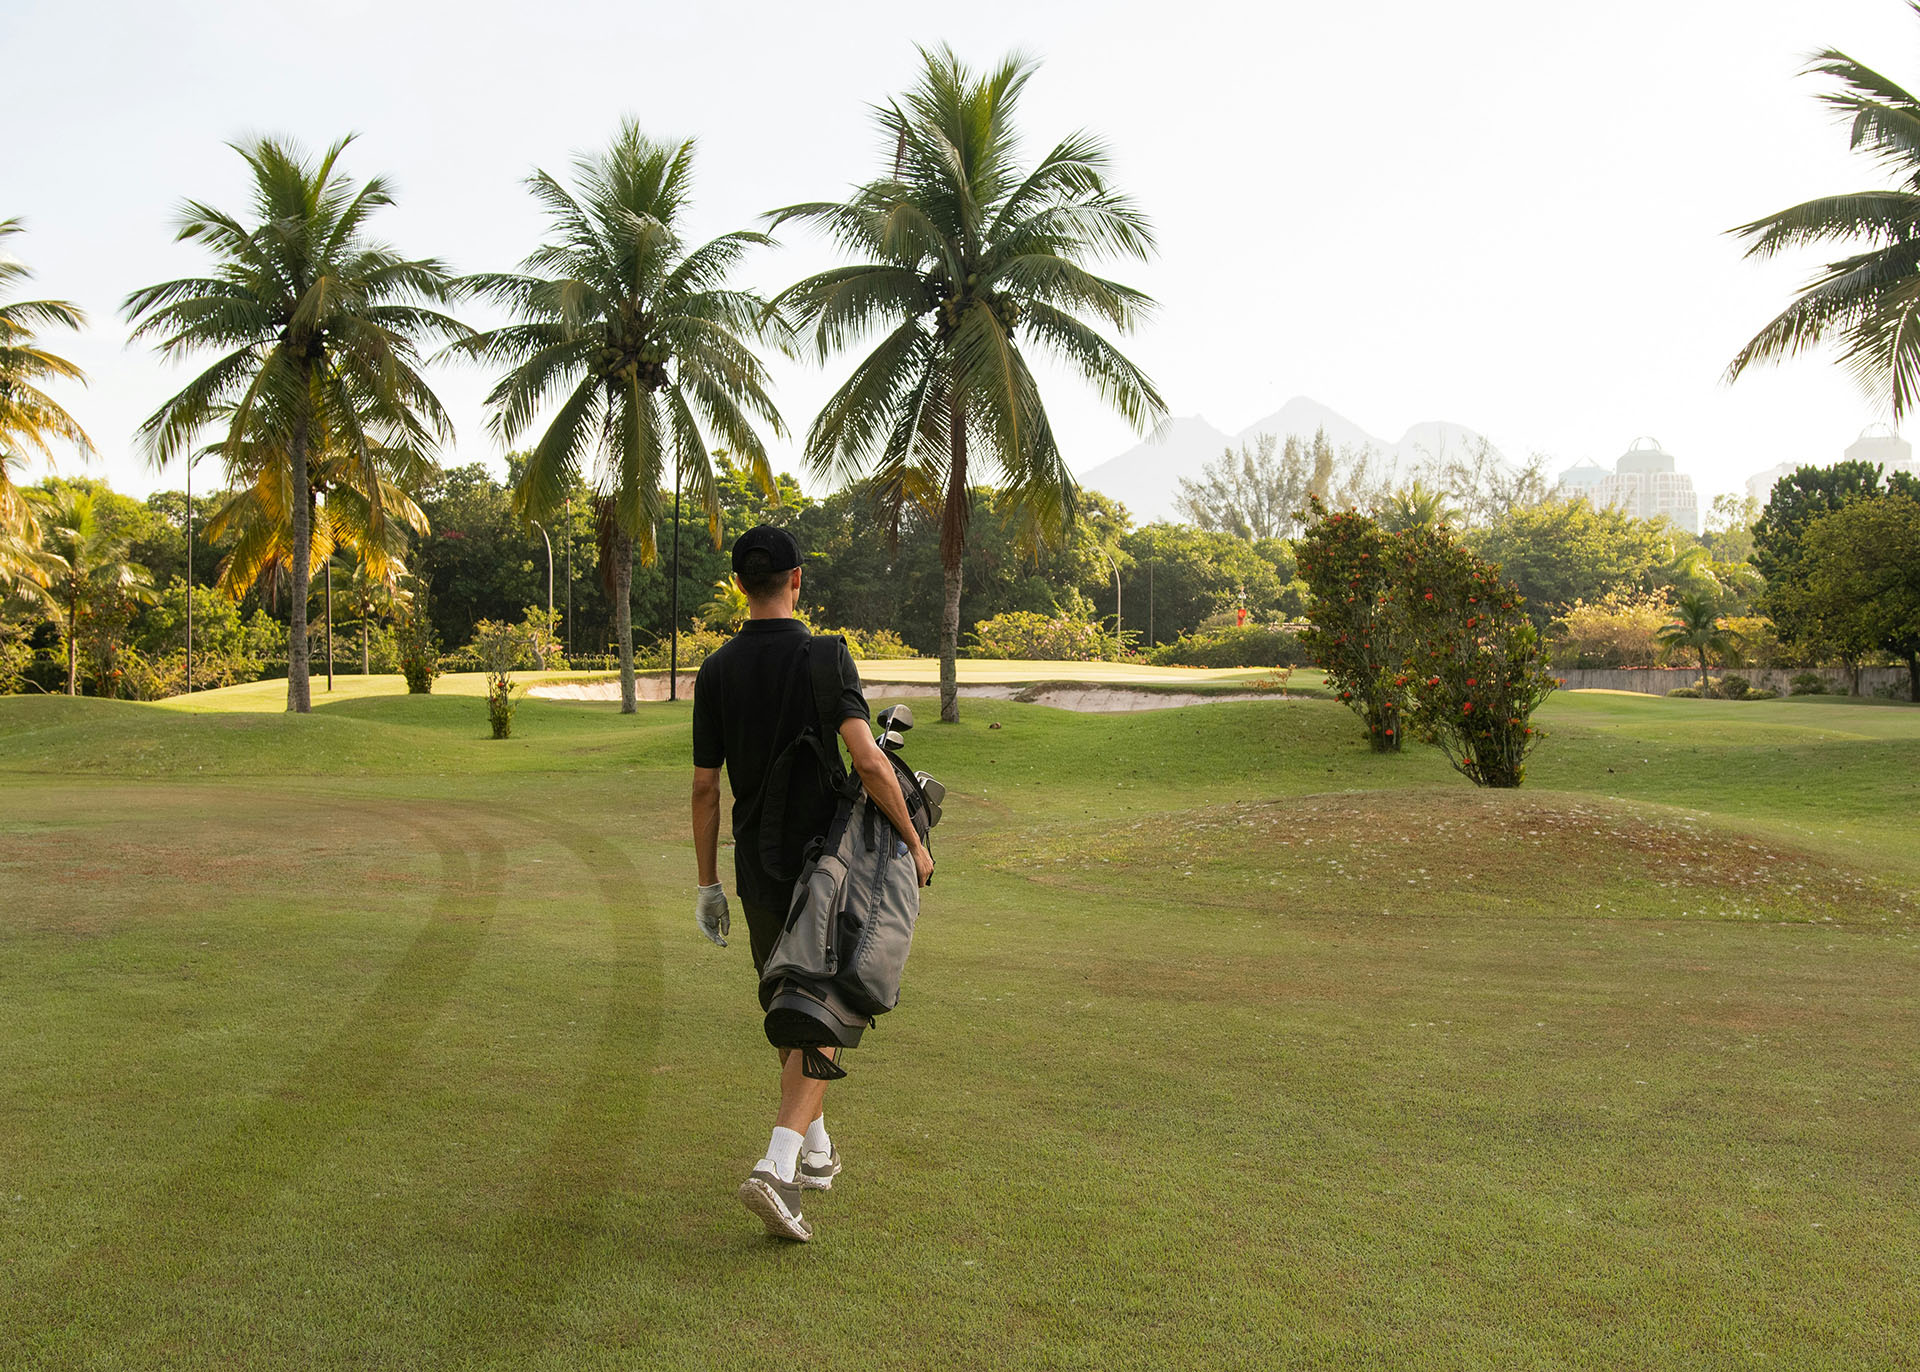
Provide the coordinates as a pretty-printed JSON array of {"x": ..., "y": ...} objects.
[{"x": 1507, "y": 213}]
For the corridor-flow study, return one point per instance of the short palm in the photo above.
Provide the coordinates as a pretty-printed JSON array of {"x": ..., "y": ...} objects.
[
  {"x": 641, "y": 345},
  {"x": 31, "y": 421},
  {"x": 319, "y": 330},
  {"x": 1419, "y": 506},
  {"x": 86, "y": 564},
  {"x": 342, "y": 514},
  {"x": 1869, "y": 299},
  {"x": 970, "y": 261},
  {"x": 1696, "y": 627}
]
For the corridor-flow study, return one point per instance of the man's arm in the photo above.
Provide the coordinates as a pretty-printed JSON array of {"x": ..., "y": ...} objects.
[
  {"x": 706, "y": 823},
  {"x": 876, "y": 774}
]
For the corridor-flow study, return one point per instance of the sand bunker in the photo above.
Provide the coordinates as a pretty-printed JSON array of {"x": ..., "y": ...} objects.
[{"x": 1081, "y": 699}]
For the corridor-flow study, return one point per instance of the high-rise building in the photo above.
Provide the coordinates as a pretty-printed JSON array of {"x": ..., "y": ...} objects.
[
  {"x": 1580, "y": 480},
  {"x": 1877, "y": 444},
  {"x": 1645, "y": 484}
]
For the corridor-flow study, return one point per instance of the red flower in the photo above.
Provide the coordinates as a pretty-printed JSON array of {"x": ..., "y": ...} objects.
[
  {"x": 1467, "y": 709},
  {"x": 1473, "y": 681},
  {"x": 1429, "y": 595}
]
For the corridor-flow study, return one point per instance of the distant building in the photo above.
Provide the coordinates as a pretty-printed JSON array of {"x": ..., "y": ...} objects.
[
  {"x": 1877, "y": 443},
  {"x": 1760, "y": 484},
  {"x": 1646, "y": 485},
  {"x": 1580, "y": 480}
]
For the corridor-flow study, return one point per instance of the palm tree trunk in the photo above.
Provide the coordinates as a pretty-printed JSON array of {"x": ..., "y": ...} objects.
[
  {"x": 1703, "y": 669},
  {"x": 299, "y": 696},
  {"x": 623, "y": 617},
  {"x": 1913, "y": 677},
  {"x": 73, "y": 660},
  {"x": 366, "y": 653},
  {"x": 952, "y": 546}
]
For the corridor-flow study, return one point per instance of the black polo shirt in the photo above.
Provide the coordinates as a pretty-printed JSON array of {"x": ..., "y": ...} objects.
[{"x": 751, "y": 699}]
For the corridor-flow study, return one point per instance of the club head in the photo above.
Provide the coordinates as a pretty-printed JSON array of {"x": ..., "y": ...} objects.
[
  {"x": 896, "y": 719},
  {"x": 935, "y": 793},
  {"x": 892, "y": 741}
]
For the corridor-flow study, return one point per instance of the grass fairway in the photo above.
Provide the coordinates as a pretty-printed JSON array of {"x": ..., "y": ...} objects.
[{"x": 362, "y": 1041}]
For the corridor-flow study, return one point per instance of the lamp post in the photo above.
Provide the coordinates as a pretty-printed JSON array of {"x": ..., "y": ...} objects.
[
  {"x": 673, "y": 651},
  {"x": 189, "y": 690},
  {"x": 1101, "y": 549},
  {"x": 569, "y": 576},
  {"x": 549, "y": 542}
]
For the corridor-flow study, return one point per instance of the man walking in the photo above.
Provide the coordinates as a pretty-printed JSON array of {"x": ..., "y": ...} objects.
[{"x": 752, "y": 698}]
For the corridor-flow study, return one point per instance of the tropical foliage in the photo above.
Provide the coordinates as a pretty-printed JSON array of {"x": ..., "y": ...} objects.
[
  {"x": 32, "y": 422},
  {"x": 1346, "y": 559},
  {"x": 1867, "y": 300},
  {"x": 968, "y": 260},
  {"x": 318, "y": 330},
  {"x": 90, "y": 579},
  {"x": 1697, "y": 628},
  {"x": 639, "y": 343},
  {"x": 1473, "y": 670}
]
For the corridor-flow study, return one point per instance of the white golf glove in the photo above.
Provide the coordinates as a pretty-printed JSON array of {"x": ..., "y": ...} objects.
[{"x": 711, "y": 914}]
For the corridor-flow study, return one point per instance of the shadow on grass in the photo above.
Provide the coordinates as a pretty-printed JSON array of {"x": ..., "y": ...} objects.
[
  {"x": 534, "y": 1257},
  {"x": 232, "y": 1185}
]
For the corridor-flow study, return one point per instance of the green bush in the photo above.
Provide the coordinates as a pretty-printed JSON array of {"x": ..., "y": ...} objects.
[
  {"x": 874, "y": 646},
  {"x": 1733, "y": 688},
  {"x": 696, "y": 647},
  {"x": 1242, "y": 645},
  {"x": 1685, "y": 693},
  {"x": 1808, "y": 684},
  {"x": 1761, "y": 693},
  {"x": 1025, "y": 635}
]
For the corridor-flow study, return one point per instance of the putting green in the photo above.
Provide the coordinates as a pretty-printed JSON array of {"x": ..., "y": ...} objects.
[{"x": 361, "y": 1040}]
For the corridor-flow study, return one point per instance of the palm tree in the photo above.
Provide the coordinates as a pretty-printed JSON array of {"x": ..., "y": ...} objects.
[
  {"x": 86, "y": 564},
  {"x": 1419, "y": 506},
  {"x": 1696, "y": 627},
  {"x": 970, "y": 260},
  {"x": 638, "y": 339},
  {"x": 1869, "y": 299},
  {"x": 30, "y": 419},
  {"x": 319, "y": 329}
]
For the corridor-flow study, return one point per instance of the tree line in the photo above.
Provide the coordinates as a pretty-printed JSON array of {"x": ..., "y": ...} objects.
[{"x": 628, "y": 355}]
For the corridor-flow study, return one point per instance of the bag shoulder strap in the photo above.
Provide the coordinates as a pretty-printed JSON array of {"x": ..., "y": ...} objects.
[
  {"x": 820, "y": 738},
  {"x": 823, "y": 667}
]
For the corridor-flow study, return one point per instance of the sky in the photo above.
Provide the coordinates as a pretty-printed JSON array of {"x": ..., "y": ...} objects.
[{"x": 1511, "y": 215}]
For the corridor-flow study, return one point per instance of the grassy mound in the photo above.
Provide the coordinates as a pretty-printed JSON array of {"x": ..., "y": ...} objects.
[{"x": 362, "y": 1040}]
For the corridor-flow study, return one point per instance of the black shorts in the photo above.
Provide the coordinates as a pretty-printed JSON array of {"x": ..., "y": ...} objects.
[{"x": 765, "y": 903}]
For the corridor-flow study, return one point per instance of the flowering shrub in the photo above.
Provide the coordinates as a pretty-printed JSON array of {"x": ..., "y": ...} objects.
[
  {"x": 1472, "y": 658},
  {"x": 1344, "y": 559},
  {"x": 1023, "y": 634},
  {"x": 419, "y": 654}
]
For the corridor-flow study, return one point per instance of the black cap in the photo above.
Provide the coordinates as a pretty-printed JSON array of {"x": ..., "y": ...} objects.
[{"x": 781, "y": 552}]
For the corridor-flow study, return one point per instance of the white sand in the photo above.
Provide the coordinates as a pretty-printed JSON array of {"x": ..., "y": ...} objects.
[{"x": 1081, "y": 699}]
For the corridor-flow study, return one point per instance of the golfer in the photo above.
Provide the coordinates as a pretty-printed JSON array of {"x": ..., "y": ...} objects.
[{"x": 752, "y": 698}]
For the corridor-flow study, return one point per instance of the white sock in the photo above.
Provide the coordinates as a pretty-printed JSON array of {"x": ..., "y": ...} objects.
[
  {"x": 817, "y": 1140},
  {"x": 783, "y": 1152}
]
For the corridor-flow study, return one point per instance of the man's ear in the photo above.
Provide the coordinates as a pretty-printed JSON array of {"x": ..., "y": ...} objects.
[
  {"x": 794, "y": 584},
  {"x": 738, "y": 584}
]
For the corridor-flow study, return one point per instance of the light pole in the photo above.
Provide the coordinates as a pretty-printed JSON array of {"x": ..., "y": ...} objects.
[
  {"x": 189, "y": 690},
  {"x": 1101, "y": 549},
  {"x": 673, "y": 651},
  {"x": 569, "y": 576},
  {"x": 549, "y": 542}
]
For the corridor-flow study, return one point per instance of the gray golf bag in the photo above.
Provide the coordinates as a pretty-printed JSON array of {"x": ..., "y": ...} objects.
[{"x": 839, "y": 959}]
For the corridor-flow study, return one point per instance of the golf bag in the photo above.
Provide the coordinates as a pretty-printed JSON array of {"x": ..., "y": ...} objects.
[{"x": 839, "y": 959}]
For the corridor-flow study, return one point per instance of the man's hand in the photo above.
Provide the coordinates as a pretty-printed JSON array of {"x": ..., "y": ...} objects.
[
  {"x": 711, "y": 914},
  {"x": 923, "y": 863}
]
